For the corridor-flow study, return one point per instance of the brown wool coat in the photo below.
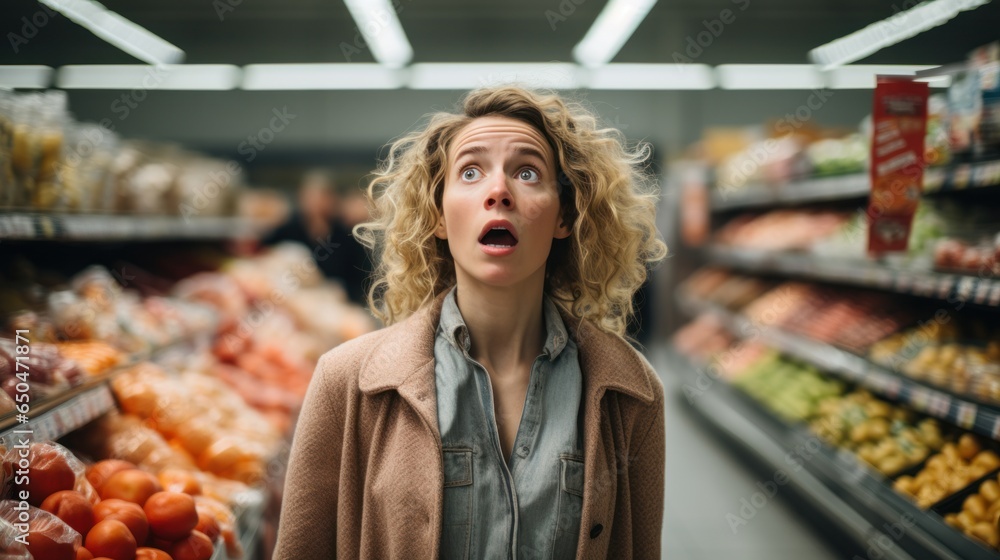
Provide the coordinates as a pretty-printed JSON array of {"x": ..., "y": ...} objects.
[{"x": 365, "y": 478}]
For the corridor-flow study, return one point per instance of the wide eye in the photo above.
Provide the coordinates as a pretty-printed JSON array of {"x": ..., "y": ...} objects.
[
  {"x": 471, "y": 174},
  {"x": 528, "y": 175}
]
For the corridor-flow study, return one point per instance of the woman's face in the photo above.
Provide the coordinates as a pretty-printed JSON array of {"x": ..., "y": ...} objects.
[{"x": 500, "y": 206}]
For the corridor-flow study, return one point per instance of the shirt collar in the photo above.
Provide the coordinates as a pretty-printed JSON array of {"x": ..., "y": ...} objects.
[{"x": 456, "y": 331}]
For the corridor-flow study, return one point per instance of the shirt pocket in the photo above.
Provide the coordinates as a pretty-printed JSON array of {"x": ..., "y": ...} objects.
[
  {"x": 457, "y": 516},
  {"x": 567, "y": 530}
]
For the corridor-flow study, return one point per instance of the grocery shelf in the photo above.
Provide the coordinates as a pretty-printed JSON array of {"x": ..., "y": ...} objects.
[
  {"x": 956, "y": 288},
  {"x": 61, "y": 415},
  {"x": 955, "y": 177},
  {"x": 89, "y": 227},
  {"x": 963, "y": 411},
  {"x": 833, "y": 482}
]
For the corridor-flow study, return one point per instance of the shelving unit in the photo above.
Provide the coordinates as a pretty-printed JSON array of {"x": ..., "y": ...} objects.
[
  {"x": 955, "y": 288},
  {"x": 86, "y": 227},
  {"x": 960, "y": 410},
  {"x": 837, "y": 484},
  {"x": 856, "y": 185}
]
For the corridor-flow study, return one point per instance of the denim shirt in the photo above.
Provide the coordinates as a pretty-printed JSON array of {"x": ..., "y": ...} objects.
[{"x": 530, "y": 508}]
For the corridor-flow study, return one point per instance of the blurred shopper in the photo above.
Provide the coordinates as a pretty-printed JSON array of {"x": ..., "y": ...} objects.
[
  {"x": 501, "y": 414},
  {"x": 316, "y": 222}
]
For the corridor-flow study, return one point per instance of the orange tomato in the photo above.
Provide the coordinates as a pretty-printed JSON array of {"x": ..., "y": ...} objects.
[
  {"x": 178, "y": 480},
  {"x": 83, "y": 554},
  {"x": 41, "y": 545},
  {"x": 128, "y": 513},
  {"x": 133, "y": 485},
  {"x": 112, "y": 539},
  {"x": 50, "y": 473},
  {"x": 171, "y": 515},
  {"x": 195, "y": 547},
  {"x": 207, "y": 524},
  {"x": 146, "y": 553},
  {"x": 73, "y": 508},
  {"x": 101, "y": 471}
]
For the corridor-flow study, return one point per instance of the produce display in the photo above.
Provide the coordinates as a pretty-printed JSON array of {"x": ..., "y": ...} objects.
[
  {"x": 51, "y": 163},
  {"x": 112, "y": 509},
  {"x": 781, "y": 230},
  {"x": 955, "y": 467},
  {"x": 51, "y": 373},
  {"x": 887, "y": 437},
  {"x": 791, "y": 389},
  {"x": 962, "y": 355},
  {"x": 978, "y": 517},
  {"x": 724, "y": 288}
]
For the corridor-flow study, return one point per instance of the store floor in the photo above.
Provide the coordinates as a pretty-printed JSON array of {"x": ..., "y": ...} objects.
[{"x": 706, "y": 479}]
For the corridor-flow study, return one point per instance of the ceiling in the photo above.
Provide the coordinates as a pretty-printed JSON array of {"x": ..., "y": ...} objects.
[{"x": 271, "y": 31}]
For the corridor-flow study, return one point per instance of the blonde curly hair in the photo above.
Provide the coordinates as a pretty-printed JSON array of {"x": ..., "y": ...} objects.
[{"x": 610, "y": 204}]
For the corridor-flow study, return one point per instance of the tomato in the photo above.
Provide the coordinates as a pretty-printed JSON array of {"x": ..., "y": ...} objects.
[
  {"x": 73, "y": 508},
  {"x": 195, "y": 547},
  {"x": 208, "y": 524},
  {"x": 128, "y": 513},
  {"x": 146, "y": 553},
  {"x": 178, "y": 480},
  {"x": 133, "y": 485},
  {"x": 113, "y": 539},
  {"x": 41, "y": 545},
  {"x": 171, "y": 515},
  {"x": 101, "y": 471},
  {"x": 50, "y": 473},
  {"x": 83, "y": 554}
]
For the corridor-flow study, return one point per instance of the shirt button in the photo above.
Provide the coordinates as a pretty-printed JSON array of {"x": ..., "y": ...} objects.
[
  {"x": 596, "y": 530},
  {"x": 524, "y": 450}
]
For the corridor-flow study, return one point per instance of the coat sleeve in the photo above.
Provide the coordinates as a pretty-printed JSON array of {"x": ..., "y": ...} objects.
[
  {"x": 307, "y": 527},
  {"x": 647, "y": 479}
]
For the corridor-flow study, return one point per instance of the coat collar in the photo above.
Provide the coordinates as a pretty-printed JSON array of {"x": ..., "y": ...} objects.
[{"x": 404, "y": 360}]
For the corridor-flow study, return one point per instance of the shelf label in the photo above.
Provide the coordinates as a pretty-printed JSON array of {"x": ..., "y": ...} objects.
[
  {"x": 945, "y": 284},
  {"x": 995, "y": 294},
  {"x": 940, "y": 405},
  {"x": 965, "y": 288},
  {"x": 17, "y": 226},
  {"x": 960, "y": 176},
  {"x": 920, "y": 398},
  {"x": 891, "y": 387},
  {"x": 966, "y": 417},
  {"x": 925, "y": 285},
  {"x": 982, "y": 292}
]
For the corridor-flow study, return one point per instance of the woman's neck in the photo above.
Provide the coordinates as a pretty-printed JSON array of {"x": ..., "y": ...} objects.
[{"x": 506, "y": 325}]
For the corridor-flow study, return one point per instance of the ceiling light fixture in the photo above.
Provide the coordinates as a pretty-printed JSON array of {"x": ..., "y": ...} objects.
[
  {"x": 651, "y": 77},
  {"x": 769, "y": 76},
  {"x": 25, "y": 77},
  {"x": 460, "y": 76},
  {"x": 120, "y": 32},
  {"x": 612, "y": 28},
  {"x": 379, "y": 25},
  {"x": 896, "y": 28},
  {"x": 141, "y": 76},
  {"x": 862, "y": 76},
  {"x": 320, "y": 76}
]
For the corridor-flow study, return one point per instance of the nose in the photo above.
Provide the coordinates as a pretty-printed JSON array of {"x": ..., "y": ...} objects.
[{"x": 499, "y": 194}]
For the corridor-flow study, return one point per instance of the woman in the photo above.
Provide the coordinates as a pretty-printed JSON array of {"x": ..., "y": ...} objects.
[{"x": 500, "y": 414}]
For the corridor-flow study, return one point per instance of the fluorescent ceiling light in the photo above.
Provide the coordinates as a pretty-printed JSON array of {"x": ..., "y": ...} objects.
[
  {"x": 612, "y": 28},
  {"x": 889, "y": 31},
  {"x": 458, "y": 76},
  {"x": 25, "y": 76},
  {"x": 120, "y": 32},
  {"x": 862, "y": 76},
  {"x": 320, "y": 76},
  {"x": 141, "y": 76},
  {"x": 378, "y": 24},
  {"x": 769, "y": 76},
  {"x": 651, "y": 77}
]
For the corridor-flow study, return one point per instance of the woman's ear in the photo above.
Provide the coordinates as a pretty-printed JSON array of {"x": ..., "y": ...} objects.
[
  {"x": 562, "y": 230},
  {"x": 441, "y": 232}
]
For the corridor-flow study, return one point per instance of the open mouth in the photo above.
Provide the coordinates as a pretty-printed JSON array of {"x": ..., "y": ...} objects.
[{"x": 498, "y": 236}]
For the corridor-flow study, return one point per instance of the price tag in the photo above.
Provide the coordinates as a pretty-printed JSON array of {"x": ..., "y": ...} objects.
[
  {"x": 960, "y": 176},
  {"x": 982, "y": 292},
  {"x": 904, "y": 283},
  {"x": 940, "y": 405},
  {"x": 17, "y": 226},
  {"x": 966, "y": 286},
  {"x": 966, "y": 415},
  {"x": 920, "y": 398},
  {"x": 995, "y": 294},
  {"x": 925, "y": 285},
  {"x": 945, "y": 284},
  {"x": 891, "y": 387}
]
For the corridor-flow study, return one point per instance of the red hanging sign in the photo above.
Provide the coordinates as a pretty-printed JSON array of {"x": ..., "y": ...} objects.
[{"x": 899, "y": 120}]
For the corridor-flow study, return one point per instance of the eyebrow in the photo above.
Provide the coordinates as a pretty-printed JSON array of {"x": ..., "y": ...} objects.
[{"x": 521, "y": 150}]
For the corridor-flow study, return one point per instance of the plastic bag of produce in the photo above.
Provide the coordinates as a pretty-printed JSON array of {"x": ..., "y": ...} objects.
[{"x": 47, "y": 537}]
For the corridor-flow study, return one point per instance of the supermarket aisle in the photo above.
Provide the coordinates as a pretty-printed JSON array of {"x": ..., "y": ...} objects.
[{"x": 706, "y": 480}]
